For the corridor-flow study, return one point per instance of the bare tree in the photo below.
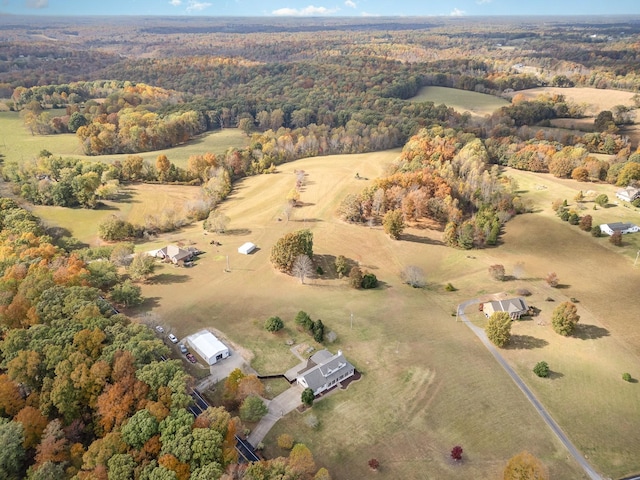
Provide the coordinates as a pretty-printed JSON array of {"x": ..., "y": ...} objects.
[
  {"x": 302, "y": 267},
  {"x": 287, "y": 210},
  {"x": 414, "y": 276}
]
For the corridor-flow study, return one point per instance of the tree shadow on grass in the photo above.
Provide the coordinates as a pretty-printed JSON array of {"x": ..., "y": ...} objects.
[
  {"x": 408, "y": 237},
  {"x": 554, "y": 375},
  {"x": 149, "y": 303},
  {"x": 525, "y": 342},
  {"x": 589, "y": 332},
  {"x": 168, "y": 278},
  {"x": 237, "y": 231}
]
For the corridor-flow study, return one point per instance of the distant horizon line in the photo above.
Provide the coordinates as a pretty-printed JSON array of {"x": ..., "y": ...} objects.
[{"x": 319, "y": 17}]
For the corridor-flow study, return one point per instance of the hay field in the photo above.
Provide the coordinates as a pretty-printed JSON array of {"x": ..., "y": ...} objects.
[
  {"x": 427, "y": 383},
  {"x": 477, "y": 104},
  {"x": 136, "y": 201},
  {"x": 596, "y": 99},
  {"x": 16, "y": 143}
]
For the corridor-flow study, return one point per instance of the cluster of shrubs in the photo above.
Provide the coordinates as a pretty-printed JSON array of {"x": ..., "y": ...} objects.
[
  {"x": 356, "y": 277},
  {"x": 315, "y": 329}
]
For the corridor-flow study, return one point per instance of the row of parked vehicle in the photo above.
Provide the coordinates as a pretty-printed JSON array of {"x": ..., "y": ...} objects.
[{"x": 183, "y": 349}]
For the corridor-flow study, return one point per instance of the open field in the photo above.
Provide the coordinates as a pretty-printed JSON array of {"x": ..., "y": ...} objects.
[
  {"x": 136, "y": 201},
  {"x": 479, "y": 104},
  {"x": 596, "y": 99},
  {"x": 428, "y": 383},
  {"x": 432, "y": 383},
  {"x": 16, "y": 143}
]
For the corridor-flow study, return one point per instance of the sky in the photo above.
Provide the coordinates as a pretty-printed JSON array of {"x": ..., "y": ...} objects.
[{"x": 302, "y": 8}]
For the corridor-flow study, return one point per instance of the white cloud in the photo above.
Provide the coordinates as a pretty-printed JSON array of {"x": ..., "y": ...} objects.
[
  {"x": 176, "y": 3},
  {"x": 37, "y": 3},
  {"x": 350, "y": 4},
  {"x": 304, "y": 12},
  {"x": 196, "y": 6},
  {"x": 483, "y": 2},
  {"x": 456, "y": 12},
  {"x": 367, "y": 14}
]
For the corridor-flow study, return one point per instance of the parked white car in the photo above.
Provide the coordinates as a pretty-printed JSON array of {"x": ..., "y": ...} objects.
[
  {"x": 173, "y": 338},
  {"x": 159, "y": 329}
]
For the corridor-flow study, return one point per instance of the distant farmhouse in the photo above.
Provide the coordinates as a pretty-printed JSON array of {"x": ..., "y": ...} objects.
[
  {"x": 611, "y": 228},
  {"x": 173, "y": 254},
  {"x": 628, "y": 194},
  {"x": 515, "y": 307},
  {"x": 324, "y": 371}
]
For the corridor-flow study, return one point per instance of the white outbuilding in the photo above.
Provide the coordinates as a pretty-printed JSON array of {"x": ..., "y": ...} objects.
[
  {"x": 208, "y": 346},
  {"x": 246, "y": 248}
]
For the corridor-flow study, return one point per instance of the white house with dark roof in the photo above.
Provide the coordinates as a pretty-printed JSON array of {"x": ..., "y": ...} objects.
[
  {"x": 324, "y": 371},
  {"x": 628, "y": 194},
  {"x": 173, "y": 254},
  {"x": 515, "y": 307},
  {"x": 611, "y": 228}
]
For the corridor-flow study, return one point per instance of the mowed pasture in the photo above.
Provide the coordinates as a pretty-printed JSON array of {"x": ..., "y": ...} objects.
[
  {"x": 595, "y": 99},
  {"x": 478, "y": 104},
  {"x": 17, "y": 144},
  {"x": 427, "y": 384},
  {"x": 135, "y": 202}
]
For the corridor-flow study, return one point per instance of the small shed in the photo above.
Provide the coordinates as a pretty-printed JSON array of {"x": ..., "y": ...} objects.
[
  {"x": 207, "y": 345},
  {"x": 246, "y": 248}
]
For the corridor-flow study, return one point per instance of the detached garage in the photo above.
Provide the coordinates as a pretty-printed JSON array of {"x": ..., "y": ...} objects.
[
  {"x": 246, "y": 248},
  {"x": 208, "y": 346}
]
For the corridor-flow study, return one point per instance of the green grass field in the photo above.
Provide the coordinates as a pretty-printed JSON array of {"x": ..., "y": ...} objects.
[
  {"x": 475, "y": 103},
  {"x": 16, "y": 143},
  {"x": 427, "y": 382}
]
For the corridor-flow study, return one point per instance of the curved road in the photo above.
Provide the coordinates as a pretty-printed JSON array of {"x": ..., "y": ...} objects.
[{"x": 592, "y": 474}]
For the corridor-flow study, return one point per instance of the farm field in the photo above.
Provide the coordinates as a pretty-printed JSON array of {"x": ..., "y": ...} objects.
[
  {"x": 421, "y": 368},
  {"x": 18, "y": 144},
  {"x": 596, "y": 99},
  {"x": 136, "y": 201},
  {"x": 479, "y": 104}
]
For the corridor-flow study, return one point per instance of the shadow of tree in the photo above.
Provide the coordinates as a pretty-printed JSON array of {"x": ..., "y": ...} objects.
[
  {"x": 237, "y": 231},
  {"x": 328, "y": 264},
  {"x": 554, "y": 375},
  {"x": 417, "y": 239},
  {"x": 167, "y": 278},
  {"x": 526, "y": 342},
  {"x": 589, "y": 332}
]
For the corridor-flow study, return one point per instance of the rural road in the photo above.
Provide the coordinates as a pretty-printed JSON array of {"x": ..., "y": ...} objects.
[{"x": 592, "y": 474}]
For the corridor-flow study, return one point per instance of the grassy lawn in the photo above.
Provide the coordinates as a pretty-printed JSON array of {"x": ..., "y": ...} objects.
[
  {"x": 137, "y": 201},
  {"x": 16, "y": 143},
  {"x": 475, "y": 103}
]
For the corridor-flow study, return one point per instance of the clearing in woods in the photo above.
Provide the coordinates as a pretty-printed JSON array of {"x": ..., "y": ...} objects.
[
  {"x": 475, "y": 103},
  {"x": 19, "y": 145}
]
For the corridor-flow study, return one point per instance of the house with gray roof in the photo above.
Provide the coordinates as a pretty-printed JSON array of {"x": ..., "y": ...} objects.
[
  {"x": 324, "y": 371},
  {"x": 611, "y": 228},
  {"x": 515, "y": 307}
]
